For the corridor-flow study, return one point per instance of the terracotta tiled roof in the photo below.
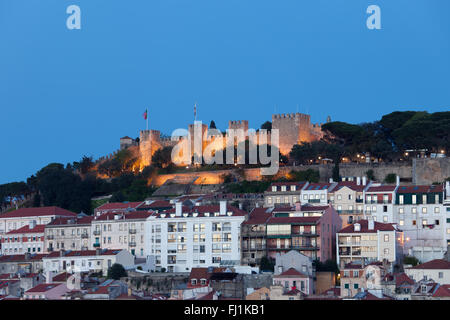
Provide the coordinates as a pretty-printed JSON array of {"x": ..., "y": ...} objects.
[
  {"x": 442, "y": 291},
  {"x": 62, "y": 277},
  {"x": 421, "y": 189},
  {"x": 21, "y": 257},
  {"x": 84, "y": 253},
  {"x": 70, "y": 220},
  {"x": 198, "y": 274},
  {"x": 433, "y": 264},
  {"x": 400, "y": 279},
  {"x": 291, "y": 272},
  {"x": 26, "y": 229},
  {"x": 258, "y": 216},
  {"x": 378, "y": 226},
  {"x": 39, "y": 211},
  {"x": 43, "y": 287},
  {"x": 351, "y": 185},
  {"x": 382, "y": 188}
]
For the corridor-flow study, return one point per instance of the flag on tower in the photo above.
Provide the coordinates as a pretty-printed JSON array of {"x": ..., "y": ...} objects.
[{"x": 145, "y": 114}]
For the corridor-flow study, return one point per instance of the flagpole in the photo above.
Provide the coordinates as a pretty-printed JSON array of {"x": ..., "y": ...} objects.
[{"x": 147, "y": 119}]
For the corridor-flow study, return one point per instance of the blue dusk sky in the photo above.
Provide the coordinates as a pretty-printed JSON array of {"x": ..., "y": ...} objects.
[{"x": 68, "y": 93}]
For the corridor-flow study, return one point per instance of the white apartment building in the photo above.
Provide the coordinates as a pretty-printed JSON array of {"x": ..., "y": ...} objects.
[
  {"x": 283, "y": 193},
  {"x": 446, "y": 204},
  {"x": 437, "y": 270},
  {"x": 68, "y": 233},
  {"x": 19, "y": 218},
  {"x": 182, "y": 238},
  {"x": 420, "y": 213},
  {"x": 379, "y": 202},
  {"x": 121, "y": 230},
  {"x": 316, "y": 193},
  {"x": 347, "y": 198},
  {"x": 369, "y": 241},
  {"x": 86, "y": 260},
  {"x": 29, "y": 238}
]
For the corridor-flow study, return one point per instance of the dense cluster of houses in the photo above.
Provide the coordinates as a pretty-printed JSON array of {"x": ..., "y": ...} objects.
[{"x": 367, "y": 228}]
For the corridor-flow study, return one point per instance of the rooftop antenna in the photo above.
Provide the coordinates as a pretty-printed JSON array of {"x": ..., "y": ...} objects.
[{"x": 195, "y": 111}]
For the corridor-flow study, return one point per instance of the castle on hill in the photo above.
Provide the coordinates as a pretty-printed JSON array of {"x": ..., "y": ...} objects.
[{"x": 293, "y": 128}]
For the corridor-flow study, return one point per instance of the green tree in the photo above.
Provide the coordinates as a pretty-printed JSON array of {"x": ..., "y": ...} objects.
[
  {"x": 162, "y": 158},
  {"x": 336, "y": 175},
  {"x": 411, "y": 260},
  {"x": 266, "y": 264},
  {"x": 370, "y": 175},
  {"x": 116, "y": 271},
  {"x": 267, "y": 126},
  {"x": 390, "y": 178}
]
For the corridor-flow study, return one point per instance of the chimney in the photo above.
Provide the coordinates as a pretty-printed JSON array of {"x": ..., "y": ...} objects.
[
  {"x": 298, "y": 206},
  {"x": 364, "y": 180},
  {"x": 178, "y": 209},
  {"x": 32, "y": 224},
  {"x": 358, "y": 181},
  {"x": 223, "y": 207},
  {"x": 49, "y": 277},
  {"x": 397, "y": 180},
  {"x": 371, "y": 224}
]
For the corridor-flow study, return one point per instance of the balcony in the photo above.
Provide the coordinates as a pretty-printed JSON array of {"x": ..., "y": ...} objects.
[
  {"x": 97, "y": 232},
  {"x": 132, "y": 244},
  {"x": 50, "y": 249},
  {"x": 305, "y": 234},
  {"x": 96, "y": 245},
  {"x": 84, "y": 236},
  {"x": 253, "y": 234},
  {"x": 359, "y": 200},
  {"x": 314, "y": 201},
  {"x": 132, "y": 231},
  {"x": 84, "y": 248},
  {"x": 50, "y": 237},
  {"x": 254, "y": 248}
]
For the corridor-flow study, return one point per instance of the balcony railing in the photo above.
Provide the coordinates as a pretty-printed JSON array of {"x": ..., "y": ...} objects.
[
  {"x": 257, "y": 247},
  {"x": 96, "y": 245},
  {"x": 314, "y": 200},
  {"x": 97, "y": 232},
  {"x": 132, "y": 231},
  {"x": 50, "y": 237},
  {"x": 132, "y": 244},
  {"x": 84, "y": 236},
  {"x": 50, "y": 249}
]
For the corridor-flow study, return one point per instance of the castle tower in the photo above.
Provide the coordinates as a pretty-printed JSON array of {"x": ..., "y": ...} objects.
[
  {"x": 238, "y": 124},
  {"x": 149, "y": 142},
  {"x": 293, "y": 128}
]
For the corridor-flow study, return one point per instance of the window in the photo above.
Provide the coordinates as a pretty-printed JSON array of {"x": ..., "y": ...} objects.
[
  {"x": 293, "y": 188},
  {"x": 355, "y": 274},
  {"x": 401, "y": 210},
  {"x": 347, "y": 286},
  {"x": 414, "y": 210},
  {"x": 401, "y": 222},
  {"x": 436, "y": 209},
  {"x": 401, "y": 199},
  {"x": 386, "y": 238},
  {"x": 441, "y": 275},
  {"x": 269, "y": 200},
  {"x": 356, "y": 286},
  {"x": 385, "y": 218},
  {"x": 274, "y": 188},
  {"x": 424, "y": 209},
  {"x": 414, "y": 199},
  {"x": 386, "y": 251}
]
